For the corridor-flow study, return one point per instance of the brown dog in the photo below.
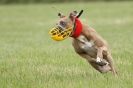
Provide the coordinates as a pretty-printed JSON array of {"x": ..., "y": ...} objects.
[{"x": 88, "y": 43}]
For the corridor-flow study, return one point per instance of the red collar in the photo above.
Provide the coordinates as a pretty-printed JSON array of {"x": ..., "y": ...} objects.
[{"x": 77, "y": 28}]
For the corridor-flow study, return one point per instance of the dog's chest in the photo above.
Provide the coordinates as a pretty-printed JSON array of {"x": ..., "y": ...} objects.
[
  {"x": 81, "y": 44},
  {"x": 84, "y": 42}
]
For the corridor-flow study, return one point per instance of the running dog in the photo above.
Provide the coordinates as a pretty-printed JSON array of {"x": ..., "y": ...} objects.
[{"x": 86, "y": 41}]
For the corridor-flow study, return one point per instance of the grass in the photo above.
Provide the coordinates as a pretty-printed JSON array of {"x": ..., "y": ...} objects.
[{"x": 30, "y": 59}]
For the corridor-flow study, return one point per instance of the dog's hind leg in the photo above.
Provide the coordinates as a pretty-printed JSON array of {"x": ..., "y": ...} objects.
[
  {"x": 111, "y": 64},
  {"x": 87, "y": 57},
  {"x": 102, "y": 69},
  {"x": 97, "y": 66}
]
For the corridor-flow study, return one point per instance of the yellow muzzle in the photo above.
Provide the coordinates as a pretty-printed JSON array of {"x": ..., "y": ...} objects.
[{"x": 59, "y": 34}]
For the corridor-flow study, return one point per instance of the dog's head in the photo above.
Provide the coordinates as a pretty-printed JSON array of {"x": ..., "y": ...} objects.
[
  {"x": 64, "y": 26},
  {"x": 66, "y": 22}
]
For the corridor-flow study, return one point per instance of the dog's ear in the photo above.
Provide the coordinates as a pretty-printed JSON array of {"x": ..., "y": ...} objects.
[
  {"x": 61, "y": 15},
  {"x": 73, "y": 15}
]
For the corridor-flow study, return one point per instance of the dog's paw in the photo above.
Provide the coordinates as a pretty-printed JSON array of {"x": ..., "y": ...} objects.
[
  {"x": 101, "y": 62},
  {"x": 98, "y": 59}
]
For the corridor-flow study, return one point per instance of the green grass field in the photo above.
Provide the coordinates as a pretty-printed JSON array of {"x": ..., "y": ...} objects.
[{"x": 29, "y": 58}]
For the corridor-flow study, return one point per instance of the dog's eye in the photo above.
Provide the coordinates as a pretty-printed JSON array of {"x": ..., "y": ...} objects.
[{"x": 62, "y": 23}]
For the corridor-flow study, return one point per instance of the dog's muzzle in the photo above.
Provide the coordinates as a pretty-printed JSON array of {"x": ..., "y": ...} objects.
[{"x": 59, "y": 34}]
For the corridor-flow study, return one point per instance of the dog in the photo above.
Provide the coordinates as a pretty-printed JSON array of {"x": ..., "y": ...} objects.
[{"x": 87, "y": 42}]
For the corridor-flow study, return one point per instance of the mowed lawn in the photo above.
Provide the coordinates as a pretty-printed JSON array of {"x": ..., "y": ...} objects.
[{"x": 29, "y": 58}]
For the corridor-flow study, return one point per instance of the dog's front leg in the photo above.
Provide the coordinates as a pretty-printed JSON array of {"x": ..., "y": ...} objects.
[
  {"x": 92, "y": 60},
  {"x": 94, "y": 64},
  {"x": 99, "y": 58},
  {"x": 99, "y": 54}
]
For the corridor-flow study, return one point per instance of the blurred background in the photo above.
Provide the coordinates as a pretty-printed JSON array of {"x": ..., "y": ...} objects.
[
  {"x": 29, "y": 58},
  {"x": 49, "y": 1}
]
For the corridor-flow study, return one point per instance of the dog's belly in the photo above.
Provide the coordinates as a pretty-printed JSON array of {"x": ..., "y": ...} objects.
[{"x": 82, "y": 45}]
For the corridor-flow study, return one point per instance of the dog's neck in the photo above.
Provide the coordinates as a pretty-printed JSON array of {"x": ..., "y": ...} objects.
[{"x": 77, "y": 28}]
